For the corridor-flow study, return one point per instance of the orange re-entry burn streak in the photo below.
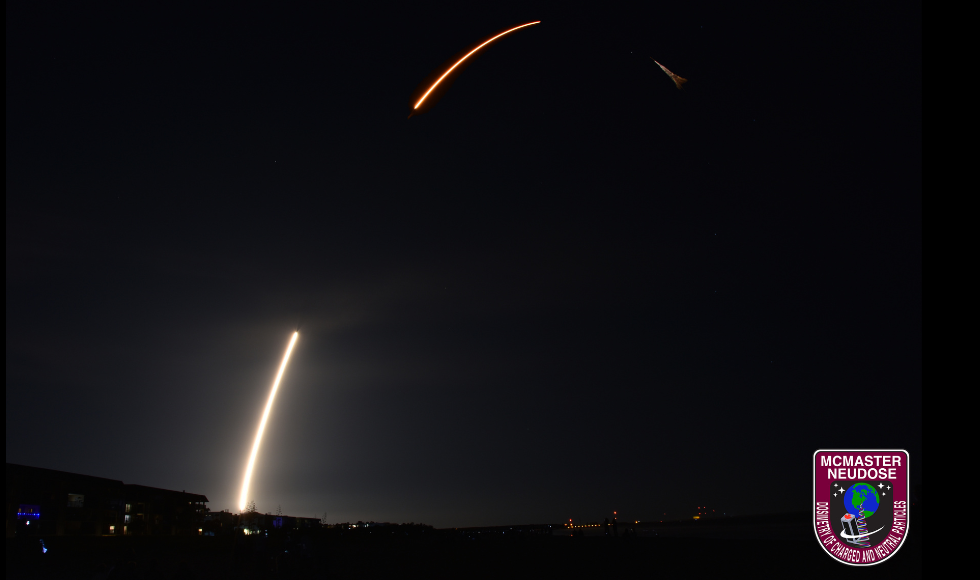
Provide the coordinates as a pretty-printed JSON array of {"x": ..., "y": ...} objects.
[
  {"x": 265, "y": 417},
  {"x": 469, "y": 54}
]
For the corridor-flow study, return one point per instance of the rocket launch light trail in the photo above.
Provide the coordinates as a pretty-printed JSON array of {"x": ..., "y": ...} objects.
[
  {"x": 678, "y": 80},
  {"x": 469, "y": 54},
  {"x": 265, "y": 417}
]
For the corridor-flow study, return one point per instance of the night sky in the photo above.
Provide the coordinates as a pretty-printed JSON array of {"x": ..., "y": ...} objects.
[{"x": 567, "y": 289}]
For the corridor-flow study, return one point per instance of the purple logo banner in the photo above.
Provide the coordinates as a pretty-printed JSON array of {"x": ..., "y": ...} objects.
[{"x": 861, "y": 503}]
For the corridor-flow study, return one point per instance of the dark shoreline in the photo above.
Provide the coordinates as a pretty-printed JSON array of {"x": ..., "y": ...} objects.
[{"x": 777, "y": 546}]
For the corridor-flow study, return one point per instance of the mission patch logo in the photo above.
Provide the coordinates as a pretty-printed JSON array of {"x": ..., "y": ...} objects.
[{"x": 860, "y": 503}]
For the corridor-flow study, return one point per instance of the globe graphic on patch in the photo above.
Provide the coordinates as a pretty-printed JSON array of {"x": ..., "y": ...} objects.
[{"x": 861, "y": 494}]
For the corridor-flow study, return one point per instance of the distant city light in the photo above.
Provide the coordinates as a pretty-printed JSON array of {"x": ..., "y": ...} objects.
[{"x": 28, "y": 512}]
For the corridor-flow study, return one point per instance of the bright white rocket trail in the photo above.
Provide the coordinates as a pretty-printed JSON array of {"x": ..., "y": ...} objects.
[{"x": 265, "y": 417}]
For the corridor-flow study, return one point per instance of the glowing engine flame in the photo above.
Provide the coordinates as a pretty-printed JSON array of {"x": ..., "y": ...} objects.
[
  {"x": 678, "y": 80},
  {"x": 469, "y": 54},
  {"x": 265, "y": 417}
]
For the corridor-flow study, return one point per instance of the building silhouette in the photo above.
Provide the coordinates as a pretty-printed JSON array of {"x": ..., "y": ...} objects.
[{"x": 58, "y": 503}]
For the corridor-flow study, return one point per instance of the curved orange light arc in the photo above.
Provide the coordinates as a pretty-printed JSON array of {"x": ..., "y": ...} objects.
[{"x": 469, "y": 54}]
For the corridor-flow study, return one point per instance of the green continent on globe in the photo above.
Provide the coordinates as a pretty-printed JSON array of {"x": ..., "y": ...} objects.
[{"x": 862, "y": 491}]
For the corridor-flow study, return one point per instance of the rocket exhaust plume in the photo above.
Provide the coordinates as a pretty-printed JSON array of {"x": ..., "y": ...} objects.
[
  {"x": 265, "y": 417},
  {"x": 677, "y": 80},
  {"x": 415, "y": 107}
]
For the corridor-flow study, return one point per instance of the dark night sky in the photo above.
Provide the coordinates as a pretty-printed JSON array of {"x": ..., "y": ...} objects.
[{"x": 567, "y": 289}]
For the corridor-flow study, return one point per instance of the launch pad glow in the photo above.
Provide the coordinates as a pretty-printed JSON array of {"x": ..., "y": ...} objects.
[{"x": 265, "y": 417}]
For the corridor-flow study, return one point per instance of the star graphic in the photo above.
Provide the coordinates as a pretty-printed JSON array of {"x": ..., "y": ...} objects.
[
  {"x": 835, "y": 495},
  {"x": 881, "y": 485},
  {"x": 889, "y": 488}
]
